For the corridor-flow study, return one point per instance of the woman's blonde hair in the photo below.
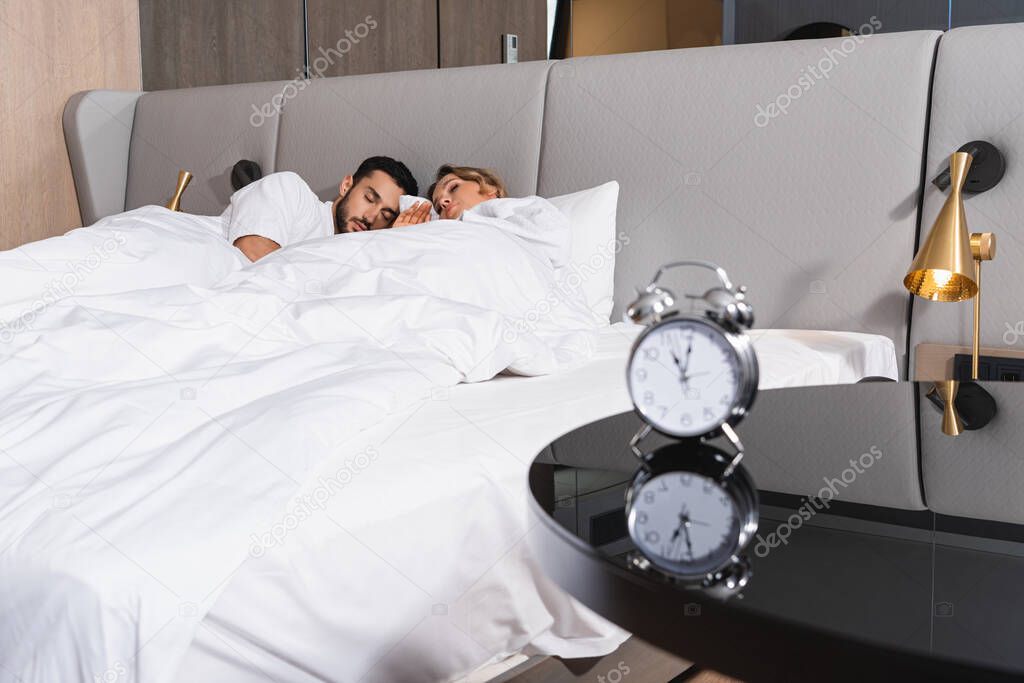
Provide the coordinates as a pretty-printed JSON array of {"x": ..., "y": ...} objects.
[{"x": 488, "y": 179}]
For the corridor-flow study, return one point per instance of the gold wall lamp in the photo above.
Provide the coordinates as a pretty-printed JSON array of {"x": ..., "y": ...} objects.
[
  {"x": 184, "y": 178},
  {"x": 948, "y": 268}
]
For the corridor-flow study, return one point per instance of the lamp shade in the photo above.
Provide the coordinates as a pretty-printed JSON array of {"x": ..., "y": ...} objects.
[{"x": 943, "y": 269}]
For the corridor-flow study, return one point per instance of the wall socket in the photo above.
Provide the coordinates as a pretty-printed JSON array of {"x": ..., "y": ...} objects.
[{"x": 509, "y": 48}]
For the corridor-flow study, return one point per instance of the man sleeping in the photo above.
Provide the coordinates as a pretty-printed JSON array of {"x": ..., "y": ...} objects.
[{"x": 281, "y": 209}]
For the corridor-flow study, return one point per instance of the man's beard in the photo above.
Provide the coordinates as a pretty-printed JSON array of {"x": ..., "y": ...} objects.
[{"x": 342, "y": 219}]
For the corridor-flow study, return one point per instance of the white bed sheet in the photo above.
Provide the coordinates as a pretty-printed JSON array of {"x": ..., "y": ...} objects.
[
  {"x": 436, "y": 580},
  {"x": 145, "y": 434}
]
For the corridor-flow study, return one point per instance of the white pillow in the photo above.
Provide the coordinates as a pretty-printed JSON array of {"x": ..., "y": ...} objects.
[
  {"x": 594, "y": 244},
  {"x": 407, "y": 201}
]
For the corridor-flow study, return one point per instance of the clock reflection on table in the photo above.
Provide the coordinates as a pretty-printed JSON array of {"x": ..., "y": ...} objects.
[{"x": 880, "y": 552}]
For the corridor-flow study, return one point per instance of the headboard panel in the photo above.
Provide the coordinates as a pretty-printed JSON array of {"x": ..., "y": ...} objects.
[
  {"x": 978, "y": 94},
  {"x": 203, "y": 130},
  {"x": 98, "y": 131},
  {"x": 815, "y": 208},
  {"x": 482, "y": 116}
]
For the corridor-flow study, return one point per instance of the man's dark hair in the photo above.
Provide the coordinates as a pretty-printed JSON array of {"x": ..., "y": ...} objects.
[{"x": 398, "y": 171}]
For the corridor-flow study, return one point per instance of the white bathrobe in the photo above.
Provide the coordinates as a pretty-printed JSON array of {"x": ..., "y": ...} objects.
[{"x": 281, "y": 207}]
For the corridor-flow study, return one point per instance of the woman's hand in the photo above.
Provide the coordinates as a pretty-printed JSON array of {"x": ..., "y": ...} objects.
[{"x": 414, "y": 215}]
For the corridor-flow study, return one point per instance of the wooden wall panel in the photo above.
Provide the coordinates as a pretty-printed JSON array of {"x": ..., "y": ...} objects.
[
  {"x": 189, "y": 43},
  {"x": 49, "y": 51},
  {"x": 349, "y": 37},
  {"x": 471, "y": 30}
]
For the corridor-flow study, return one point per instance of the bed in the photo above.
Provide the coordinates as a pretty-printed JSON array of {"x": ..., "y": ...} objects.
[
  {"x": 273, "y": 468},
  {"x": 413, "y": 567}
]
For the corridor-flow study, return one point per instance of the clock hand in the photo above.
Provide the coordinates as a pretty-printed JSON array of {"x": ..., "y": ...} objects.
[
  {"x": 684, "y": 526},
  {"x": 689, "y": 348},
  {"x": 682, "y": 368},
  {"x": 675, "y": 359},
  {"x": 675, "y": 534},
  {"x": 686, "y": 530}
]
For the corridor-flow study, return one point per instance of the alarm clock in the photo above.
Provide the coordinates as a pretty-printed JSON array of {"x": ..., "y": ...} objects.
[
  {"x": 692, "y": 507},
  {"x": 690, "y": 510},
  {"x": 690, "y": 374}
]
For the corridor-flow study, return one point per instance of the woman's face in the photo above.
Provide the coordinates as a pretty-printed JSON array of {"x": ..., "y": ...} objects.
[{"x": 453, "y": 195}]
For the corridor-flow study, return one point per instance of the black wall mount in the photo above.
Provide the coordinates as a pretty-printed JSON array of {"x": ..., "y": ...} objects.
[{"x": 987, "y": 168}]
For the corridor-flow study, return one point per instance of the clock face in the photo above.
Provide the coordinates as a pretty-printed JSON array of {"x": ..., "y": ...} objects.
[
  {"x": 684, "y": 522},
  {"x": 684, "y": 378}
]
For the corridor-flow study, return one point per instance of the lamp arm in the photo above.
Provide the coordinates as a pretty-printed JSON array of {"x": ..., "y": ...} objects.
[
  {"x": 975, "y": 343},
  {"x": 983, "y": 248}
]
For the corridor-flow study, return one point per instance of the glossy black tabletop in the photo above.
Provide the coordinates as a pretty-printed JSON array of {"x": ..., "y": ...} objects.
[{"x": 851, "y": 590}]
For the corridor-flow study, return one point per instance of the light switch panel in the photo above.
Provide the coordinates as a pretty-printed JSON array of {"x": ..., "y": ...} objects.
[{"x": 509, "y": 48}]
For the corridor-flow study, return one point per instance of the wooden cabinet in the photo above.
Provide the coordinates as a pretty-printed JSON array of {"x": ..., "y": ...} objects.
[
  {"x": 471, "y": 30},
  {"x": 371, "y": 36},
  {"x": 188, "y": 43}
]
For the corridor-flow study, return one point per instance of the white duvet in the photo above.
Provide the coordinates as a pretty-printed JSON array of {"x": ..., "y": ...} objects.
[{"x": 163, "y": 402}]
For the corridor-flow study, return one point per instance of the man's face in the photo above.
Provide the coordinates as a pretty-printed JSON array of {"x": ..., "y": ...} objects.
[{"x": 370, "y": 204}]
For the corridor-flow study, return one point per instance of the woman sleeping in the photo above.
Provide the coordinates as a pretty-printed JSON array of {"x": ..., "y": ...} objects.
[{"x": 463, "y": 193}]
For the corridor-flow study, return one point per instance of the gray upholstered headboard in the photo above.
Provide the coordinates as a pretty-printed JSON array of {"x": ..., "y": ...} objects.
[{"x": 978, "y": 93}]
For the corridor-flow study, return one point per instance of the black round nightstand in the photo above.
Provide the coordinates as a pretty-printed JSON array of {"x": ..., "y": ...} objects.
[{"x": 855, "y": 592}]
